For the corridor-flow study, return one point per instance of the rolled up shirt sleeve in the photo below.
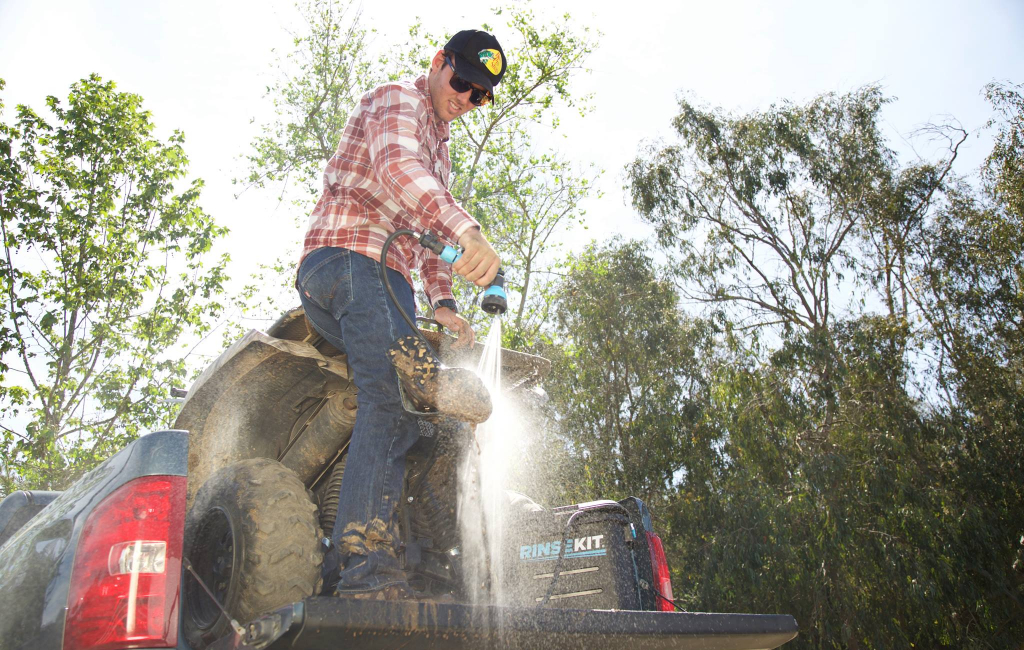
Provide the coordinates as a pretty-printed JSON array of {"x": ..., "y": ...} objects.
[{"x": 395, "y": 133}]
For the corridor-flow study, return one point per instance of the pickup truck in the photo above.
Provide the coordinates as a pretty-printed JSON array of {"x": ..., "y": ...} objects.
[{"x": 211, "y": 535}]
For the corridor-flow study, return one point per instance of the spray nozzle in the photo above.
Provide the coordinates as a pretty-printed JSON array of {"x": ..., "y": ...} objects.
[{"x": 495, "y": 301}]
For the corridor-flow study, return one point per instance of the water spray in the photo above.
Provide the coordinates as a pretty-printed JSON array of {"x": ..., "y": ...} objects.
[{"x": 495, "y": 302}]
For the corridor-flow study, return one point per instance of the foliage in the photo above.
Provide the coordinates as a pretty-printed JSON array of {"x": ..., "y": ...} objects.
[
  {"x": 1004, "y": 168},
  {"x": 778, "y": 216},
  {"x": 523, "y": 195},
  {"x": 103, "y": 272},
  {"x": 318, "y": 85},
  {"x": 856, "y": 459},
  {"x": 525, "y": 201},
  {"x": 630, "y": 377},
  {"x": 775, "y": 197},
  {"x": 866, "y": 537}
]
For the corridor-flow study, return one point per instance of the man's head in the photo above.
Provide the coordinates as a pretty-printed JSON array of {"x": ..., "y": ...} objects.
[{"x": 463, "y": 74}]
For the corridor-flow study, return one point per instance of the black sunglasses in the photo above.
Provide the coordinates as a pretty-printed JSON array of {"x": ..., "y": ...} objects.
[{"x": 478, "y": 97}]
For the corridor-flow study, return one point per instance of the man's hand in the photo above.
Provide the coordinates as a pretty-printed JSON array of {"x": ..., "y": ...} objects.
[
  {"x": 479, "y": 263},
  {"x": 455, "y": 323}
]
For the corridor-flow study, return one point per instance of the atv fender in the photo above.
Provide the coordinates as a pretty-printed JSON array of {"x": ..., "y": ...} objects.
[{"x": 266, "y": 397}]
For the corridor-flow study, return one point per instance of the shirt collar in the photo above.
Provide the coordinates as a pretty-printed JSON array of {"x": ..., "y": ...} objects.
[{"x": 441, "y": 128}]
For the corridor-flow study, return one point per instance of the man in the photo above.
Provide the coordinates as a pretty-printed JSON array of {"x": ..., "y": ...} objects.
[{"x": 391, "y": 172}]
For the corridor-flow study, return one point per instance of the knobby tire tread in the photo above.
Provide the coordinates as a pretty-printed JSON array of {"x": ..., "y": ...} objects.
[{"x": 279, "y": 527}]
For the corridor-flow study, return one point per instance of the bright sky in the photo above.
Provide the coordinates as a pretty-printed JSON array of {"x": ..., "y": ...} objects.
[{"x": 201, "y": 67}]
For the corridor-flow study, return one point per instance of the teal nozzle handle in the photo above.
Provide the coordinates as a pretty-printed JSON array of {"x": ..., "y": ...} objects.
[
  {"x": 450, "y": 255},
  {"x": 495, "y": 300},
  {"x": 442, "y": 250}
]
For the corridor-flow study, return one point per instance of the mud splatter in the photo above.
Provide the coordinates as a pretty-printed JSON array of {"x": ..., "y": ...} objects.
[{"x": 363, "y": 539}]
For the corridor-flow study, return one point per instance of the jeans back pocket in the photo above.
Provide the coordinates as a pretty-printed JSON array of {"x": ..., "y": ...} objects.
[{"x": 325, "y": 277}]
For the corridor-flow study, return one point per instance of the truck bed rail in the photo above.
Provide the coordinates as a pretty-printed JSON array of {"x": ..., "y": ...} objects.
[{"x": 329, "y": 623}]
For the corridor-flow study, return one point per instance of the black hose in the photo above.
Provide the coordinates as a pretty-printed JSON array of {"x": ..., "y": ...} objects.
[
  {"x": 391, "y": 292},
  {"x": 671, "y": 602}
]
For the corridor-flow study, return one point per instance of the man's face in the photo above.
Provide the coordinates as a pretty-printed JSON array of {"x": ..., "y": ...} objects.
[{"x": 448, "y": 104}]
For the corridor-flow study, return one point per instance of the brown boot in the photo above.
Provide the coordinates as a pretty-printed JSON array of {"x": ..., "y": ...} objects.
[{"x": 457, "y": 392}]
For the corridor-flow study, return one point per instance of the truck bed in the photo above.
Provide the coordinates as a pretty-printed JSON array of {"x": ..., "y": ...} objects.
[{"x": 330, "y": 623}]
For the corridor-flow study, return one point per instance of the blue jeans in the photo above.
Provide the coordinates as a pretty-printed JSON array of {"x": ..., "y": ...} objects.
[{"x": 348, "y": 305}]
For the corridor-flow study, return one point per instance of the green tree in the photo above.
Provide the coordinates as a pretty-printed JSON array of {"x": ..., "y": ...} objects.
[
  {"x": 776, "y": 197},
  {"x": 630, "y": 376},
  {"x": 1004, "y": 168},
  {"x": 104, "y": 271},
  {"x": 318, "y": 84},
  {"x": 769, "y": 214},
  {"x": 315, "y": 86},
  {"x": 971, "y": 261},
  {"x": 525, "y": 195},
  {"x": 525, "y": 202},
  {"x": 853, "y": 294}
]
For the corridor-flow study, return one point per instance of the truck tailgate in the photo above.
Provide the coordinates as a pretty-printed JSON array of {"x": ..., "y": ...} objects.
[{"x": 330, "y": 623}]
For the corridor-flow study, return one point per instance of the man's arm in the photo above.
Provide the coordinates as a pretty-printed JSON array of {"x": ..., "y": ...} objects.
[
  {"x": 393, "y": 135},
  {"x": 437, "y": 284},
  {"x": 457, "y": 324}
]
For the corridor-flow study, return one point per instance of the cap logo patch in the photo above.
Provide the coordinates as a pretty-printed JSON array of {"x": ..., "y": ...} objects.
[{"x": 491, "y": 60}]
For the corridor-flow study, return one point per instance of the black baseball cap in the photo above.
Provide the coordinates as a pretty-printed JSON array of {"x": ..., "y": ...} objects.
[{"x": 478, "y": 57}]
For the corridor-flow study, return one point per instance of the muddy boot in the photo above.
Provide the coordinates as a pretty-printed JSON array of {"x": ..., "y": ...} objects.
[{"x": 457, "y": 392}]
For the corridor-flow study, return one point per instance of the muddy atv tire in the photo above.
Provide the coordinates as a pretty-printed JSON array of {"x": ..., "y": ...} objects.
[{"x": 252, "y": 535}]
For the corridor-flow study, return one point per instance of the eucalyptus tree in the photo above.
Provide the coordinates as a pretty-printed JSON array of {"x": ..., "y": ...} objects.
[
  {"x": 788, "y": 218},
  {"x": 971, "y": 291},
  {"x": 868, "y": 401},
  {"x": 631, "y": 376}
]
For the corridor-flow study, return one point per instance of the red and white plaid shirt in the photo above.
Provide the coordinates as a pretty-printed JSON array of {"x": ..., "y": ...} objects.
[{"x": 390, "y": 172}]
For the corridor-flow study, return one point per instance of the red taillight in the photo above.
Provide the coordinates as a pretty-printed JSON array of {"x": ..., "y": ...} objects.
[
  {"x": 662, "y": 579},
  {"x": 127, "y": 571}
]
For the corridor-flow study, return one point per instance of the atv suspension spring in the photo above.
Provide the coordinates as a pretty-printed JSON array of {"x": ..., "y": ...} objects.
[{"x": 332, "y": 494}]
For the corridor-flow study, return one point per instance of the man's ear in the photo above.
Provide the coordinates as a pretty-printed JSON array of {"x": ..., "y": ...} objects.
[{"x": 437, "y": 62}]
